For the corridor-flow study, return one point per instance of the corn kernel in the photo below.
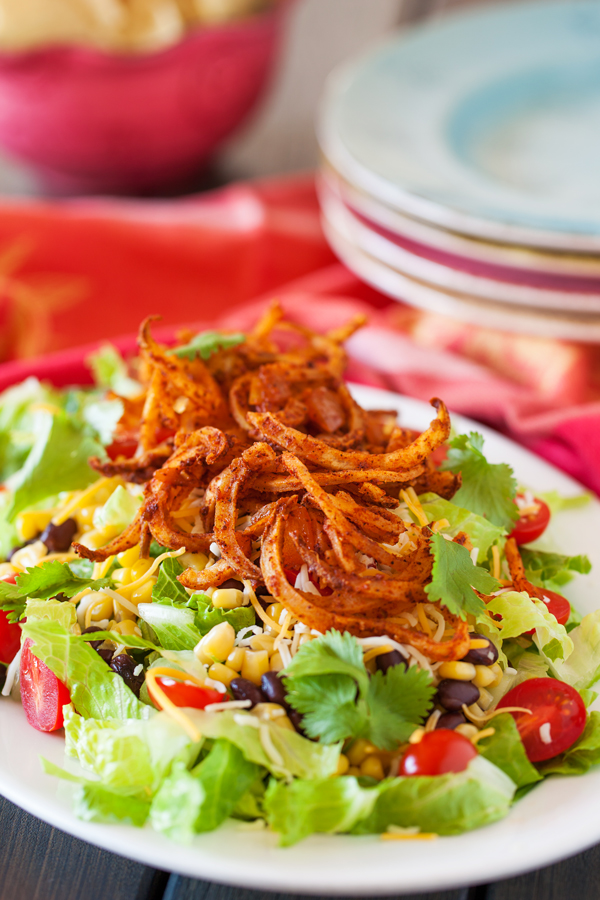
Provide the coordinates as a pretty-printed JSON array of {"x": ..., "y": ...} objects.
[
  {"x": 7, "y": 569},
  {"x": 122, "y": 576},
  {"x": 372, "y": 767},
  {"x": 256, "y": 663},
  {"x": 263, "y": 642},
  {"x": 274, "y": 611},
  {"x": 360, "y": 749},
  {"x": 195, "y": 561},
  {"x": 268, "y": 712},
  {"x": 497, "y": 670},
  {"x": 127, "y": 626},
  {"x": 219, "y": 672},
  {"x": 29, "y": 524},
  {"x": 140, "y": 568},
  {"x": 485, "y": 699},
  {"x": 128, "y": 557},
  {"x": 467, "y": 730},
  {"x": 484, "y": 676},
  {"x": 98, "y": 537},
  {"x": 217, "y": 644},
  {"x": 343, "y": 765},
  {"x": 100, "y": 608},
  {"x": 235, "y": 659},
  {"x": 276, "y": 662},
  {"x": 459, "y": 671},
  {"x": 85, "y": 515},
  {"x": 353, "y": 770},
  {"x": 227, "y": 598},
  {"x": 143, "y": 594}
]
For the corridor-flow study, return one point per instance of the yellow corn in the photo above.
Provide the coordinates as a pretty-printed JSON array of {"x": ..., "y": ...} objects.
[
  {"x": 122, "y": 576},
  {"x": 353, "y": 770},
  {"x": 143, "y": 594},
  {"x": 85, "y": 516},
  {"x": 195, "y": 561},
  {"x": 483, "y": 676},
  {"x": 305, "y": 638},
  {"x": 235, "y": 659},
  {"x": 459, "y": 671},
  {"x": 343, "y": 764},
  {"x": 102, "y": 608},
  {"x": 217, "y": 644},
  {"x": 276, "y": 662},
  {"x": 227, "y": 598},
  {"x": 467, "y": 730},
  {"x": 485, "y": 699},
  {"x": 417, "y": 736},
  {"x": 29, "y": 524},
  {"x": 222, "y": 673},
  {"x": 372, "y": 767},
  {"x": 360, "y": 749},
  {"x": 263, "y": 642},
  {"x": 478, "y": 643},
  {"x": 269, "y": 712},
  {"x": 97, "y": 538},
  {"x": 256, "y": 663},
  {"x": 126, "y": 626},
  {"x": 140, "y": 568},
  {"x": 497, "y": 670},
  {"x": 274, "y": 611},
  {"x": 128, "y": 557},
  {"x": 7, "y": 568}
]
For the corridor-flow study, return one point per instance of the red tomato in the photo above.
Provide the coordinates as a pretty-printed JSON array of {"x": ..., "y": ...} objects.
[
  {"x": 123, "y": 445},
  {"x": 42, "y": 694},
  {"x": 556, "y": 720},
  {"x": 10, "y": 632},
  {"x": 185, "y": 693},
  {"x": 438, "y": 752},
  {"x": 529, "y": 528},
  {"x": 558, "y": 605}
]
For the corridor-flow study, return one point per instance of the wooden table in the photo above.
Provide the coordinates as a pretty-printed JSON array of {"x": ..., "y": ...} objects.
[{"x": 39, "y": 862}]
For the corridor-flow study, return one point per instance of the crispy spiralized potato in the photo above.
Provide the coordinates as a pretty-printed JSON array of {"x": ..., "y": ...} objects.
[{"x": 257, "y": 455}]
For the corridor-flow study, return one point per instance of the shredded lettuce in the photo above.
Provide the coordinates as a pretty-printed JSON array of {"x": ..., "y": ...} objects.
[
  {"x": 43, "y": 582},
  {"x": 506, "y": 751},
  {"x": 53, "y": 610},
  {"x": 579, "y": 758},
  {"x": 174, "y": 626},
  {"x": 119, "y": 510},
  {"x": 582, "y": 668},
  {"x": 18, "y": 407},
  {"x": 520, "y": 614},
  {"x": 110, "y": 371},
  {"x": 552, "y": 570},
  {"x": 208, "y": 342},
  {"x": 481, "y": 531}
]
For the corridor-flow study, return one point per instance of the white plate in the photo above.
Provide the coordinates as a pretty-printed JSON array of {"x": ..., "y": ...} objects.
[
  {"x": 442, "y": 276},
  {"x": 557, "y": 819},
  {"x": 484, "y": 313},
  {"x": 486, "y": 122}
]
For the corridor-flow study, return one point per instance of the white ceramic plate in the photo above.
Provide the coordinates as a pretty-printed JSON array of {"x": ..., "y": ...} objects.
[
  {"x": 557, "y": 819},
  {"x": 484, "y": 313},
  {"x": 443, "y": 276},
  {"x": 486, "y": 122}
]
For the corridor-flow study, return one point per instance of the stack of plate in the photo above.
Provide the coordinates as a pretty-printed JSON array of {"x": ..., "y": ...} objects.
[{"x": 461, "y": 167}]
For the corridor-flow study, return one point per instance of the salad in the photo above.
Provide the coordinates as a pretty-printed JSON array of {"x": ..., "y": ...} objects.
[{"x": 242, "y": 595}]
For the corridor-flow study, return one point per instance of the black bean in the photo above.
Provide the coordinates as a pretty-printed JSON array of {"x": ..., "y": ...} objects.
[
  {"x": 243, "y": 689},
  {"x": 106, "y": 653},
  {"x": 482, "y": 656},
  {"x": 452, "y": 694},
  {"x": 296, "y": 720},
  {"x": 385, "y": 661},
  {"x": 57, "y": 538},
  {"x": 232, "y": 583},
  {"x": 20, "y": 547},
  {"x": 273, "y": 688},
  {"x": 124, "y": 666},
  {"x": 262, "y": 591},
  {"x": 90, "y": 630},
  {"x": 451, "y": 720}
]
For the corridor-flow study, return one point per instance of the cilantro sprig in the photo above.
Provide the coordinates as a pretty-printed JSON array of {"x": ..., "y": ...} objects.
[
  {"x": 208, "y": 342},
  {"x": 42, "y": 583},
  {"x": 487, "y": 489},
  {"x": 327, "y": 683},
  {"x": 454, "y": 576}
]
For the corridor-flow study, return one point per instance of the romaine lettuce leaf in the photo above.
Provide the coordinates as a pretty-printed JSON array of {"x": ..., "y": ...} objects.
[
  {"x": 42, "y": 583},
  {"x": 110, "y": 371},
  {"x": 119, "y": 510},
  {"x": 54, "y": 610},
  {"x": 96, "y": 691},
  {"x": 442, "y": 804},
  {"x": 482, "y": 532},
  {"x": 207, "y": 615},
  {"x": 520, "y": 614},
  {"x": 552, "y": 569},
  {"x": 17, "y": 421},
  {"x": 579, "y": 758},
  {"x": 506, "y": 751},
  {"x": 206, "y": 343},
  {"x": 174, "y": 626},
  {"x": 167, "y": 589},
  {"x": 582, "y": 667}
]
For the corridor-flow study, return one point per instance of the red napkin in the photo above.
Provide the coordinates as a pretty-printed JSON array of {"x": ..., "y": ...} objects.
[{"x": 90, "y": 269}]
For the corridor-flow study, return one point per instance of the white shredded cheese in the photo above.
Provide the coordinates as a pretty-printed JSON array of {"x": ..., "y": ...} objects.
[
  {"x": 268, "y": 745},
  {"x": 214, "y": 549},
  {"x": 474, "y": 555},
  {"x": 241, "y": 635},
  {"x": 138, "y": 670},
  {"x": 545, "y": 736},
  {"x": 232, "y": 704},
  {"x": 11, "y": 675},
  {"x": 246, "y": 719},
  {"x": 215, "y": 685},
  {"x": 303, "y": 582},
  {"x": 284, "y": 652}
]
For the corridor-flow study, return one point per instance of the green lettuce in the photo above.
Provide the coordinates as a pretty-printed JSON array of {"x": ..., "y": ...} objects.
[
  {"x": 18, "y": 422},
  {"x": 200, "y": 800},
  {"x": 582, "y": 668},
  {"x": 119, "y": 510},
  {"x": 506, "y": 751},
  {"x": 173, "y": 626},
  {"x": 53, "y": 610},
  {"x": 552, "y": 570},
  {"x": 482, "y": 532},
  {"x": 43, "y": 582},
  {"x": 206, "y": 343},
  {"x": 96, "y": 691},
  {"x": 579, "y": 758},
  {"x": 520, "y": 614},
  {"x": 110, "y": 371}
]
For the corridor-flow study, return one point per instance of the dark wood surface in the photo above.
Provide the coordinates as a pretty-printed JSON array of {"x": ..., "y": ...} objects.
[{"x": 39, "y": 862}]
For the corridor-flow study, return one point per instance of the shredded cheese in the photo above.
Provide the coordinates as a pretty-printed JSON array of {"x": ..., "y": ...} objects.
[
  {"x": 172, "y": 554},
  {"x": 496, "y": 562},
  {"x": 486, "y": 732},
  {"x": 418, "y": 836},
  {"x": 476, "y": 719},
  {"x": 83, "y": 497},
  {"x": 423, "y": 620},
  {"x": 377, "y": 651},
  {"x": 414, "y": 505},
  {"x": 158, "y": 696}
]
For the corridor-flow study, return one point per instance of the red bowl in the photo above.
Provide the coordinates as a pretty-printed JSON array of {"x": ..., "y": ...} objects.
[{"x": 88, "y": 121}]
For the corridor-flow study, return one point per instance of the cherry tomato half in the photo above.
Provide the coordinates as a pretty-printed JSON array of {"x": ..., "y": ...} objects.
[
  {"x": 185, "y": 693},
  {"x": 123, "y": 445},
  {"x": 557, "y": 717},
  {"x": 42, "y": 694},
  {"x": 10, "y": 632},
  {"x": 437, "y": 753},
  {"x": 529, "y": 528}
]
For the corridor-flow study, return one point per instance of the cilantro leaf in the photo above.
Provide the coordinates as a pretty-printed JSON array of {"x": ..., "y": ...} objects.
[
  {"x": 328, "y": 683},
  {"x": 454, "y": 576},
  {"x": 206, "y": 343},
  {"x": 396, "y": 701},
  {"x": 487, "y": 489},
  {"x": 42, "y": 583}
]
